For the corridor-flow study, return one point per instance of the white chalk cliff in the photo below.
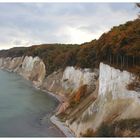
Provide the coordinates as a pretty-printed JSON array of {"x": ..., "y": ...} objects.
[
  {"x": 30, "y": 68},
  {"x": 107, "y": 97},
  {"x": 114, "y": 101}
]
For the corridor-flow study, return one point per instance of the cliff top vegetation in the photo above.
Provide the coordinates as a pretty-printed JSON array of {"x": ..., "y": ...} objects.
[{"x": 120, "y": 47}]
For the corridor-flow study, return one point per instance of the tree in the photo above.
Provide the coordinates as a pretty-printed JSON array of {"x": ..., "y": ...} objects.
[{"x": 138, "y": 5}]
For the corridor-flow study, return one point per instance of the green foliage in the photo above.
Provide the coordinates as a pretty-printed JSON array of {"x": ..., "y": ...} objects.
[{"x": 86, "y": 58}]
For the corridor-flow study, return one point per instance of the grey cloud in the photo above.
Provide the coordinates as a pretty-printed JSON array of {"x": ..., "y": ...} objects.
[{"x": 33, "y": 23}]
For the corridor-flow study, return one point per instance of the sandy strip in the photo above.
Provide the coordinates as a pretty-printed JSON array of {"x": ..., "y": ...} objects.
[{"x": 62, "y": 126}]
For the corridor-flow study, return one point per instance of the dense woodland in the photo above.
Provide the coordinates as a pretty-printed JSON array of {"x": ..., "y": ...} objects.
[{"x": 120, "y": 47}]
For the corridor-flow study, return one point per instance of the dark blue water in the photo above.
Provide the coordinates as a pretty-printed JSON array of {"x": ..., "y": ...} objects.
[{"x": 25, "y": 111}]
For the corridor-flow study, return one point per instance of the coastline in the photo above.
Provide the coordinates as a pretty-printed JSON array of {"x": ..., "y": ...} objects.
[
  {"x": 67, "y": 132},
  {"x": 60, "y": 125}
]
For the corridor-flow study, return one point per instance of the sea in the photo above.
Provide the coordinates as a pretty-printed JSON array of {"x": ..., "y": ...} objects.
[{"x": 24, "y": 110}]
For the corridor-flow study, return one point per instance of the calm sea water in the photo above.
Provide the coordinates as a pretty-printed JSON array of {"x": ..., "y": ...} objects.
[{"x": 25, "y": 111}]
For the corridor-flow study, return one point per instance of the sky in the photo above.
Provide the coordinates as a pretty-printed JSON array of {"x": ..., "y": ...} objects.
[{"x": 25, "y": 24}]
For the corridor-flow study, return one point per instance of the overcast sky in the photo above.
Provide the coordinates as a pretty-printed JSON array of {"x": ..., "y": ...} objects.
[{"x": 24, "y": 24}]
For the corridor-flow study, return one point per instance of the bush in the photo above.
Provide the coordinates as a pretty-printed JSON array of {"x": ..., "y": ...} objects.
[
  {"x": 105, "y": 130},
  {"x": 89, "y": 133},
  {"x": 117, "y": 128}
]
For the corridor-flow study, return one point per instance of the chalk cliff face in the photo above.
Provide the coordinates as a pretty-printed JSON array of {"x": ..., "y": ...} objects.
[
  {"x": 33, "y": 69},
  {"x": 11, "y": 64},
  {"x": 73, "y": 78},
  {"x": 30, "y": 68},
  {"x": 66, "y": 82},
  {"x": 113, "y": 88},
  {"x": 105, "y": 99},
  {"x": 71, "y": 83},
  {"x": 114, "y": 81},
  {"x": 114, "y": 102}
]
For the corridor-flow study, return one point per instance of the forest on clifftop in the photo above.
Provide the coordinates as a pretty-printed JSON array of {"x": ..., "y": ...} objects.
[{"x": 120, "y": 47}]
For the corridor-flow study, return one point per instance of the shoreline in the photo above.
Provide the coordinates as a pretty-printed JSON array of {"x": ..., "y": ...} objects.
[{"x": 60, "y": 125}]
